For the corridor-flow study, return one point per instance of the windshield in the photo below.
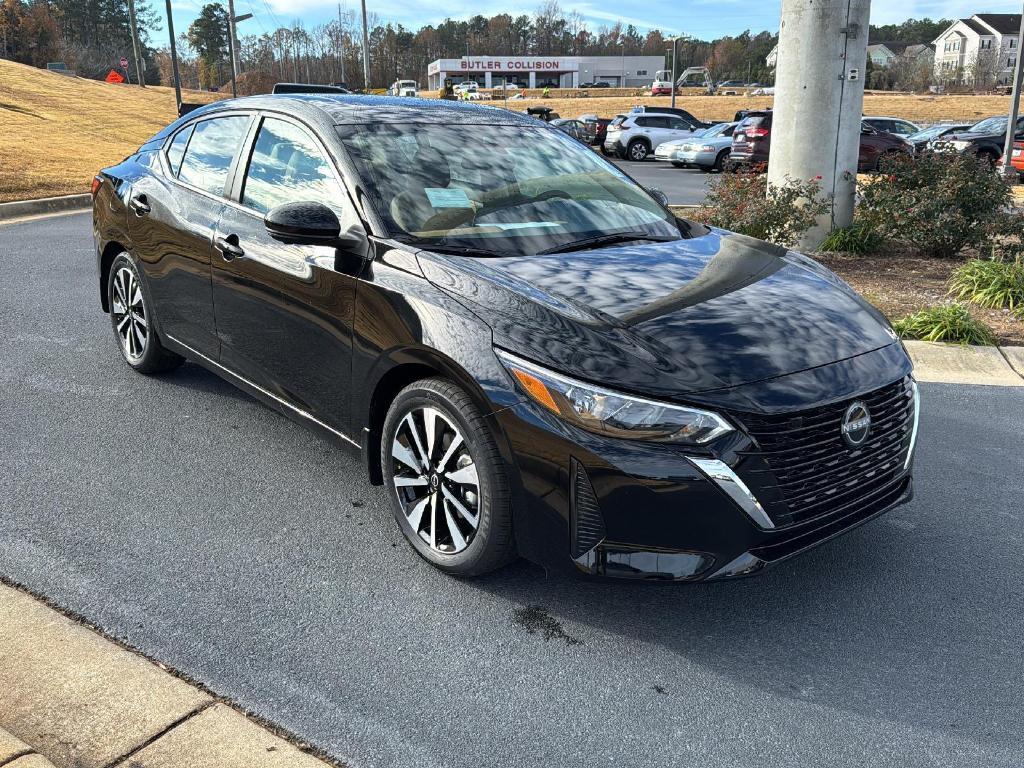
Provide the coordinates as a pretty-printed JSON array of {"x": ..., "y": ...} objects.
[
  {"x": 406, "y": 83},
  {"x": 989, "y": 125},
  {"x": 929, "y": 133},
  {"x": 513, "y": 189},
  {"x": 714, "y": 130}
]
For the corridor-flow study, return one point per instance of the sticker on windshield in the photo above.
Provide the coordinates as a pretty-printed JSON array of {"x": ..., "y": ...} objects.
[{"x": 445, "y": 197}]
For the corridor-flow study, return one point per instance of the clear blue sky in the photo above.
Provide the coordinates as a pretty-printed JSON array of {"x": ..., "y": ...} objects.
[{"x": 705, "y": 19}]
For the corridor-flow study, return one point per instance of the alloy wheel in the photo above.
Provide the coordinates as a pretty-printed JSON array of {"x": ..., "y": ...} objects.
[
  {"x": 130, "y": 314},
  {"x": 435, "y": 478},
  {"x": 638, "y": 151}
]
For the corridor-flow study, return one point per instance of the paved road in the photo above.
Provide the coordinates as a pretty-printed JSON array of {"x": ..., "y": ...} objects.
[
  {"x": 684, "y": 186},
  {"x": 205, "y": 529}
]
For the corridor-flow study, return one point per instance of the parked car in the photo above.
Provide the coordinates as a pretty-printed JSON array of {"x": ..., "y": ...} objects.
[
  {"x": 466, "y": 86},
  {"x": 575, "y": 128},
  {"x": 588, "y": 84},
  {"x": 921, "y": 139},
  {"x": 634, "y": 136},
  {"x": 891, "y": 125},
  {"x": 602, "y": 84},
  {"x": 507, "y": 87},
  {"x": 731, "y": 84},
  {"x": 693, "y": 122},
  {"x": 597, "y": 126},
  {"x": 527, "y": 349},
  {"x": 751, "y": 143},
  {"x": 1017, "y": 158},
  {"x": 985, "y": 139},
  {"x": 707, "y": 150},
  {"x": 403, "y": 88}
]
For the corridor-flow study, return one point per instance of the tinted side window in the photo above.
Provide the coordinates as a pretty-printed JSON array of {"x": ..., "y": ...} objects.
[
  {"x": 177, "y": 149},
  {"x": 678, "y": 124},
  {"x": 287, "y": 167},
  {"x": 211, "y": 150},
  {"x": 644, "y": 122}
]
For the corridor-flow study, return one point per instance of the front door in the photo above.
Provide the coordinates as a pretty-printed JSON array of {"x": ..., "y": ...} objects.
[{"x": 284, "y": 312}]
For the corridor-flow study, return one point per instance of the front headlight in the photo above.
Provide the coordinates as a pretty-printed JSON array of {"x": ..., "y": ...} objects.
[
  {"x": 708, "y": 148},
  {"x": 613, "y": 413}
]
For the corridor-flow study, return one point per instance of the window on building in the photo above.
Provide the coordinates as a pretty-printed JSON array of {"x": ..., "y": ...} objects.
[
  {"x": 1011, "y": 62},
  {"x": 641, "y": 71},
  {"x": 1013, "y": 42}
]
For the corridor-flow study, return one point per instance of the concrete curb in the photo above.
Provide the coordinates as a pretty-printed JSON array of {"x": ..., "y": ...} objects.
[
  {"x": 21, "y": 208},
  {"x": 74, "y": 699},
  {"x": 960, "y": 364}
]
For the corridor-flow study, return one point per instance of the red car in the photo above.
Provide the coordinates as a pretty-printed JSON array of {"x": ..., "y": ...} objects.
[
  {"x": 752, "y": 141},
  {"x": 1017, "y": 158}
]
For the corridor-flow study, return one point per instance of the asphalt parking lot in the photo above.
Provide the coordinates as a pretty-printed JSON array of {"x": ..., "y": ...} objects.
[
  {"x": 201, "y": 527},
  {"x": 683, "y": 186}
]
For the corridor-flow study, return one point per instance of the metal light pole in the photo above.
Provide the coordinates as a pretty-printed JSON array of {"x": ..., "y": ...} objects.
[
  {"x": 622, "y": 65},
  {"x": 366, "y": 51},
  {"x": 136, "y": 46},
  {"x": 174, "y": 58},
  {"x": 675, "y": 47},
  {"x": 341, "y": 45},
  {"x": 1011, "y": 127}
]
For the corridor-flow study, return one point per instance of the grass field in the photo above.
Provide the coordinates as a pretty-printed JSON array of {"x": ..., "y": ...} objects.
[{"x": 57, "y": 131}]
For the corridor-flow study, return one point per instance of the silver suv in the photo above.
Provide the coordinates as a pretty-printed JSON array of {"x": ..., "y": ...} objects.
[{"x": 634, "y": 136}]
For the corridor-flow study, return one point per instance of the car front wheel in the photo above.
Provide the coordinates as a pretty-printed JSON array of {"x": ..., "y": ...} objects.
[
  {"x": 447, "y": 483},
  {"x": 131, "y": 315}
]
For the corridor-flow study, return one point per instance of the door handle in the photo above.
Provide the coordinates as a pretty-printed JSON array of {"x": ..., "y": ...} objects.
[
  {"x": 229, "y": 247},
  {"x": 139, "y": 204}
]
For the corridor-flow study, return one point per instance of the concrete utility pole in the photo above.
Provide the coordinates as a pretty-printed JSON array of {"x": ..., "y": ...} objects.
[
  {"x": 236, "y": 60},
  {"x": 1011, "y": 127},
  {"x": 366, "y": 51},
  {"x": 819, "y": 101},
  {"x": 174, "y": 58},
  {"x": 140, "y": 70}
]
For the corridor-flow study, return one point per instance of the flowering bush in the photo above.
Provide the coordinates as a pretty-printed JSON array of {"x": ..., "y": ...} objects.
[
  {"x": 940, "y": 203},
  {"x": 744, "y": 202}
]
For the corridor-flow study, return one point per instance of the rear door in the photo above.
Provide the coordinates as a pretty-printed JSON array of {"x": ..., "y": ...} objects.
[
  {"x": 284, "y": 312},
  {"x": 172, "y": 215}
]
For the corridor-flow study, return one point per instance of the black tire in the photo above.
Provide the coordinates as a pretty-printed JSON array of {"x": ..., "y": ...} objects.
[
  {"x": 492, "y": 544},
  {"x": 722, "y": 160},
  {"x": 141, "y": 347},
  {"x": 637, "y": 151},
  {"x": 605, "y": 151},
  {"x": 988, "y": 158},
  {"x": 677, "y": 164}
]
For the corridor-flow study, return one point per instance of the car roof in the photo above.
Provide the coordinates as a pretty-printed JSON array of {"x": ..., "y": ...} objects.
[
  {"x": 348, "y": 109},
  {"x": 887, "y": 117}
]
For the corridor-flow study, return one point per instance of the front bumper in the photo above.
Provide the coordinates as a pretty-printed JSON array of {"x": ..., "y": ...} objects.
[{"x": 600, "y": 507}]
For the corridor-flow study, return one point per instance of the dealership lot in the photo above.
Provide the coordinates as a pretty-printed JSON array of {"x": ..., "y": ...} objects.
[
  {"x": 197, "y": 525},
  {"x": 683, "y": 186}
]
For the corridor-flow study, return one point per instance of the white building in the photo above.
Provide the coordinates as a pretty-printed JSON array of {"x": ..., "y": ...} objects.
[
  {"x": 537, "y": 71},
  {"x": 984, "y": 34}
]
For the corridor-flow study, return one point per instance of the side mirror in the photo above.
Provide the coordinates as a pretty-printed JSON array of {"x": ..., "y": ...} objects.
[
  {"x": 303, "y": 223},
  {"x": 658, "y": 195}
]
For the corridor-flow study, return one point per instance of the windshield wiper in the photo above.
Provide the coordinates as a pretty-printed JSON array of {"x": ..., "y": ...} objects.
[{"x": 599, "y": 240}]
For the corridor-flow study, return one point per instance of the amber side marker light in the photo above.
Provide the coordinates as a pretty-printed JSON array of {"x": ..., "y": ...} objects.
[{"x": 536, "y": 389}]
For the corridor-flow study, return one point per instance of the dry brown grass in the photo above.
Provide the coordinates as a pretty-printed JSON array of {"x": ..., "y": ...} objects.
[
  {"x": 57, "y": 131},
  {"x": 918, "y": 109}
]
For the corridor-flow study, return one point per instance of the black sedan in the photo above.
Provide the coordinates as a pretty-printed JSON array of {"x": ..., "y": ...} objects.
[
  {"x": 530, "y": 352},
  {"x": 985, "y": 139}
]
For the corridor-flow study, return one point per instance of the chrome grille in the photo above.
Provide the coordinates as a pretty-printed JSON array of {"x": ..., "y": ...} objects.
[{"x": 804, "y": 469}]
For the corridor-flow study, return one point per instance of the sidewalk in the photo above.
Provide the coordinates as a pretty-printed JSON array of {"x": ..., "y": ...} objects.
[{"x": 70, "y": 698}]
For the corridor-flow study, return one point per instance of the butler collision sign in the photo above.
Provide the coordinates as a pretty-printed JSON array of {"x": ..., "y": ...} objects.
[{"x": 564, "y": 71}]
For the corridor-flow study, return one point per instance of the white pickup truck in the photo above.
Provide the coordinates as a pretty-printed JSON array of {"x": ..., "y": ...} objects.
[{"x": 403, "y": 88}]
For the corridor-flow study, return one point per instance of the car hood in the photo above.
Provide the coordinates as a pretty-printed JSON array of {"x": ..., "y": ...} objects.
[
  {"x": 718, "y": 310},
  {"x": 968, "y": 136}
]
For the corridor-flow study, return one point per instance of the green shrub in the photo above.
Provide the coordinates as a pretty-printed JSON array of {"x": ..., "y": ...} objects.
[
  {"x": 941, "y": 203},
  {"x": 988, "y": 283},
  {"x": 946, "y": 322},
  {"x": 860, "y": 237},
  {"x": 744, "y": 202}
]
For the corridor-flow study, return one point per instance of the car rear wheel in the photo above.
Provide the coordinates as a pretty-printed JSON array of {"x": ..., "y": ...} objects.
[
  {"x": 677, "y": 164},
  {"x": 448, "y": 486},
  {"x": 131, "y": 315},
  {"x": 988, "y": 157},
  {"x": 637, "y": 151}
]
